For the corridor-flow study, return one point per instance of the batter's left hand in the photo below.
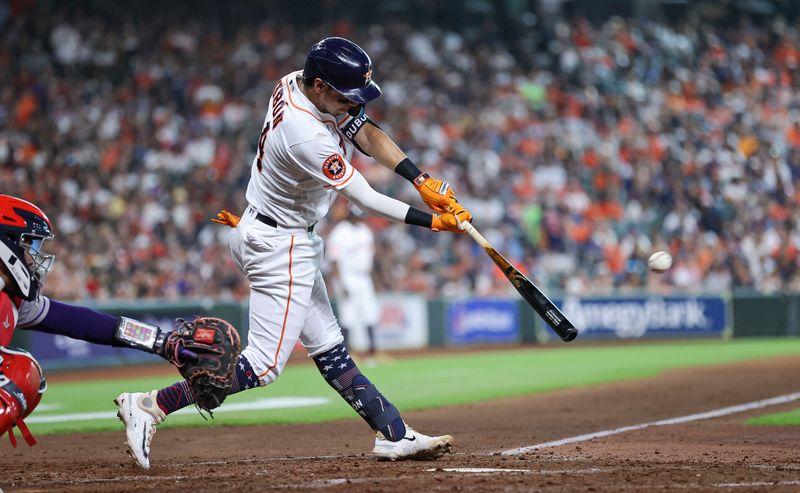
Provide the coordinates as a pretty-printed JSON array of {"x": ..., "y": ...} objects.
[{"x": 437, "y": 194}]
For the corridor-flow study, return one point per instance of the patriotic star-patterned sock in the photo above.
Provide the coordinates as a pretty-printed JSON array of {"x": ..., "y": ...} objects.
[
  {"x": 246, "y": 377},
  {"x": 177, "y": 395},
  {"x": 174, "y": 397},
  {"x": 341, "y": 373}
]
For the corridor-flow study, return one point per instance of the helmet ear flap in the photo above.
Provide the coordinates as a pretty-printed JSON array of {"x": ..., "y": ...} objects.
[{"x": 17, "y": 269}]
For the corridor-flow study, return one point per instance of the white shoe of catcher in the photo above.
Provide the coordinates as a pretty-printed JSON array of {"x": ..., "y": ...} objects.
[
  {"x": 413, "y": 446},
  {"x": 141, "y": 415}
]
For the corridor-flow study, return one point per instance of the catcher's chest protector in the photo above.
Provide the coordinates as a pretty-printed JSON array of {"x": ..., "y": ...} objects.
[{"x": 8, "y": 318}]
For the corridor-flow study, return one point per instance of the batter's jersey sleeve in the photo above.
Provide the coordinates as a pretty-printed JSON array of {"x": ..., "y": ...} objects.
[
  {"x": 324, "y": 160},
  {"x": 33, "y": 312}
]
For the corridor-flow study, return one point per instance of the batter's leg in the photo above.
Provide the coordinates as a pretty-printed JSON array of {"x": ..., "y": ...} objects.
[
  {"x": 177, "y": 396},
  {"x": 394, "y": 439},
  {"x": 281, "y": 270}
]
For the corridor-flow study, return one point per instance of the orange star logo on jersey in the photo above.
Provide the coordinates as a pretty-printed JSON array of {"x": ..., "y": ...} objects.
[
  {"x": 333, "y": 167},
  {"x": 368, "y": 76}
]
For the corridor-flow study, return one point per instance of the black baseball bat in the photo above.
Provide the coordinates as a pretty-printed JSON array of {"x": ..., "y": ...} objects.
[{"x": 533, "y": 295}]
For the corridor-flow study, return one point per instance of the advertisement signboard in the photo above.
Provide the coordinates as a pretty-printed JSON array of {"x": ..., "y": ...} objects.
[
  {"x": 483, "y": 320},
  {"x": 646, "y": 316},
  {"x": 403, "y": 324}
]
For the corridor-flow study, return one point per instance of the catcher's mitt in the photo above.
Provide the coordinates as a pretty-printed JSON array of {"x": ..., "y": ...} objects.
[{"x": 205, "y": 351}]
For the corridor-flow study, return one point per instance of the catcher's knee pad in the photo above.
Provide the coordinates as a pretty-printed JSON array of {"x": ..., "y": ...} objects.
[{"x": 22, "y": 384}]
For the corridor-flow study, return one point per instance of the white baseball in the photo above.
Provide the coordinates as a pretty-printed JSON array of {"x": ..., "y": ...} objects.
[{"x": 659, "y": 261}]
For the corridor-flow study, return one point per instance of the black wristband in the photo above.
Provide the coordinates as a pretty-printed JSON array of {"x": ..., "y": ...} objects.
[
  {"x": 407, "y": 170},
  {"x": 419, "y": 218}
]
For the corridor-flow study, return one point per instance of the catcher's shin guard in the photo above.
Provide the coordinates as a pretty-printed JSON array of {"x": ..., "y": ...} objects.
[{"x": 342, "y": 374}]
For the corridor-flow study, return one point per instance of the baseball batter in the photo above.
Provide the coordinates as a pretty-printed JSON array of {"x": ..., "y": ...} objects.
[
  {"x": 24, "y": 265},
  {"x": 351, "y": 249},
  {"x": 314, "y": 119}
]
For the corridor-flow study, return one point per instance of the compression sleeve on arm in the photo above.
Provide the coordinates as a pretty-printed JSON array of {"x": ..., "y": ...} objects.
[
  {"x": 374, "y": 203},
  {"x": 377, "y": 204}
]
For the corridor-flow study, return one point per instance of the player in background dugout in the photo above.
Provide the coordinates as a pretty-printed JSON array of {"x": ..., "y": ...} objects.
[
  {"x": 315, "y": 119},
  {"x": 350, "y": 247}
]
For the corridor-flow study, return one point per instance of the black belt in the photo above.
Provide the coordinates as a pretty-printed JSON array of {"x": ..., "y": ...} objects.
[{"x": 271, "y": 222}]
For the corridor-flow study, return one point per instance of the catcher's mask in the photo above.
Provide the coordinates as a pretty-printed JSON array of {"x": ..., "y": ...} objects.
[{"x": 23, "y": 230}]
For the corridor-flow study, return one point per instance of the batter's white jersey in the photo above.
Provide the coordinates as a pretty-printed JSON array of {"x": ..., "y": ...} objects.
[{"x": 302, "y": 158}]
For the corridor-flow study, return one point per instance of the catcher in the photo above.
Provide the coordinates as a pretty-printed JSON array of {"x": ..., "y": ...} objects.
[{"x": 204, "y": 350}]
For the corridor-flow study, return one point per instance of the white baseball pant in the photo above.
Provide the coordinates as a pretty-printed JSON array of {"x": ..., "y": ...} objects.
[{"x": 288, "y": 299}]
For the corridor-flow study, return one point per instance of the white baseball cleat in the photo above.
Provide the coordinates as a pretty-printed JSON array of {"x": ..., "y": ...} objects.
[
  {"x": 413, "y": 446},
  {"x": 141, "y": 414}
]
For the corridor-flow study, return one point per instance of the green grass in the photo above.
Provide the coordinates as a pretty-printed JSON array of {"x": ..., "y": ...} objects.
[
  {"x": 421, "y": 382},
  {"x": 788, "y": 418}
]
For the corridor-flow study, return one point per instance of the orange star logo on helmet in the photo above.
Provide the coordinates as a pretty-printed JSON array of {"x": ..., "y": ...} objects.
[{"x": 368, "y": 76}]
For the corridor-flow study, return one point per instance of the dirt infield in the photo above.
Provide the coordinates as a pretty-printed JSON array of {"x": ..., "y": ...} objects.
[{"x": 718, "y": 454}]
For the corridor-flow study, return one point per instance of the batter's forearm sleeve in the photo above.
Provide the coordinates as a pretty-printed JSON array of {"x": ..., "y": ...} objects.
[
  {"x": 407, "y": 169},
  {"x": 374, "y": 203},
  {"x": 419, "y": 218}
]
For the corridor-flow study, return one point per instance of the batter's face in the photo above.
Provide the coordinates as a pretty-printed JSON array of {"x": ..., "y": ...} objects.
[{"x": 330, "y": 100}]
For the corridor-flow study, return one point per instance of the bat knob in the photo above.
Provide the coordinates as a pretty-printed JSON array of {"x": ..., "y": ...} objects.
[{"x": 570, "y": 335}]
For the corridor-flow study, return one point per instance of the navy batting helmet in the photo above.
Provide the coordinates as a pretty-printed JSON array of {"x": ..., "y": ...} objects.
[{"x": 343, "y": 65}]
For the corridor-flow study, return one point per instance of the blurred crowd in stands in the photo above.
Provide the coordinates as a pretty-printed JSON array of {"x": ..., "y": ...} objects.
[{"x": 614, "y": 141}]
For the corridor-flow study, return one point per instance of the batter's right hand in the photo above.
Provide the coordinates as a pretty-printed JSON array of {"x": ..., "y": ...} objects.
[{"x": 451, "y": 221}]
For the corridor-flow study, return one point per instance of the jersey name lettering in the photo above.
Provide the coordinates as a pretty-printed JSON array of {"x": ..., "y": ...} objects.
[
  {"x": 277, "y": 105},
  {"x": 277, "y": 116}
]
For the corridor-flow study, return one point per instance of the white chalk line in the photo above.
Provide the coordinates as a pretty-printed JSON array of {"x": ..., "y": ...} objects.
[
  {"x": 758, "y": 483},
  {"x": 500, "y": 470},
  {"x": 725, "y": 411},
  {"x": 258, "y": 404}
]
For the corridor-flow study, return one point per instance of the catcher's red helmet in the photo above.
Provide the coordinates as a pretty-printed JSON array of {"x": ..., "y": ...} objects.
[
  {"x": 22, "y": 384},
  {"x": 23, "y": 230}
]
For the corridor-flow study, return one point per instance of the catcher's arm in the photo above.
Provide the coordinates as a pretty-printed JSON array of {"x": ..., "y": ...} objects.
[
  {"x": 86, "y": 324},
  {"x": 152, "y": 339},
  {"x": 437, "y": 194}
]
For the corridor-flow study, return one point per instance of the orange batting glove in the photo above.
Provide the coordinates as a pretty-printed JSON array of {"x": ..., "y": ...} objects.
[
  {"x": 437, "y": 194},
  {"x": 226, "y": 218},
  {"x": 451, "y": 221}
]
